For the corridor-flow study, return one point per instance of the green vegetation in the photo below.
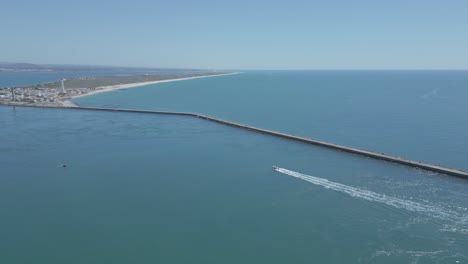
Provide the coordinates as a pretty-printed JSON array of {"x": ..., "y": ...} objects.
[{"x": 94, "y": 82}]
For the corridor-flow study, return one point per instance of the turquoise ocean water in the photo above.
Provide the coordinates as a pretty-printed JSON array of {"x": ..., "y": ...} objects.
[
  {"x": 416, "y": 114},
  {"x": 165, "y": 189}
]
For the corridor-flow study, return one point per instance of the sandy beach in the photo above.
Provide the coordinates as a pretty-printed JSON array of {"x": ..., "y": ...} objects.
[
  {"x": 68, "y": 103},
  {"x": 111, "y": 88},
  {"x": 50, "y": 95}
]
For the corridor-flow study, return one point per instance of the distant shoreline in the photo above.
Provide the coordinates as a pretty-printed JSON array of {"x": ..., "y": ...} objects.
[
  {"x": 51, "y": 94},
  {"x": 110, "y": 88}
]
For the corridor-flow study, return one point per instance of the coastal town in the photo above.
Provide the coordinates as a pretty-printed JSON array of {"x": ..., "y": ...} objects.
[
  {"x": 60, "y": 92},
  {"x": 48, "y": 96}
]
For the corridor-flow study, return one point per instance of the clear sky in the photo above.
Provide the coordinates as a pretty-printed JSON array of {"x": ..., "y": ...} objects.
[{"x": 238, "y": 34}]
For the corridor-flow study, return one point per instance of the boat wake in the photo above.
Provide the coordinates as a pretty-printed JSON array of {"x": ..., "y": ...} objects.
[{"x": 459, "y": 218}]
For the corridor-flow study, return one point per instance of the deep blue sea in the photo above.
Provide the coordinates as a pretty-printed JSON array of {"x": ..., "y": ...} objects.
[{"x": 143, "y": 188}]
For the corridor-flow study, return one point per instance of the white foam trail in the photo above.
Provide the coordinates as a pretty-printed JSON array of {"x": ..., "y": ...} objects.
[{"x": 428, "y": 209}]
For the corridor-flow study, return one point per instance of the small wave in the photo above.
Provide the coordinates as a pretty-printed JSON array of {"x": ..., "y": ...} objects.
[
  {"x": 430, "y": 94},
  {"x": 454, "y": 229},
  {"x": 419, "y": 207},
  {"x": 409, "y": 252},
  {"x": 423, "y": 256}
]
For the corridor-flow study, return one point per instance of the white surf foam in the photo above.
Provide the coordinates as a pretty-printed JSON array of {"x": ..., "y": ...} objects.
[
  {"x": 419, "y": 207},
  {"x": 432, "y": 93}
]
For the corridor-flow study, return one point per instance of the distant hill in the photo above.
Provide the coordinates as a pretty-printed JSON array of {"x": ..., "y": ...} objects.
[{"x": 20, "y": 66}]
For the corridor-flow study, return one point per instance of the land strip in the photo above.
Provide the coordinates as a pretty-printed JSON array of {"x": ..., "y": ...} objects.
[{"x": 54, "y": 94}]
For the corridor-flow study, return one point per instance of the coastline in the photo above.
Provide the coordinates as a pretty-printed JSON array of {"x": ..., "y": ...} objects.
[
  {"x": 68, "y": 103},
  {"x": 51, "y": 95},
  {"x": 111, "y": 88}
]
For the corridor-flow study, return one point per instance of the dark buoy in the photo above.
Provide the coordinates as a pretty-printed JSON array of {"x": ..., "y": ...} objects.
[{"x": 64, "y": 165}]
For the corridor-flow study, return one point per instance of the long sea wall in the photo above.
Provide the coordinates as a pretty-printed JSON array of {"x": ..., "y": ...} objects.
[{"x": 369, "y": 154}]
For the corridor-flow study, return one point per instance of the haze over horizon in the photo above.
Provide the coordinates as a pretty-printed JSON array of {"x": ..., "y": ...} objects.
[{"x": 209, "y": 34}]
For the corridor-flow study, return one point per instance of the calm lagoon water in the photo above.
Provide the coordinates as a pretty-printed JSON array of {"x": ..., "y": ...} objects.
[{"x": 150, "y": 188}]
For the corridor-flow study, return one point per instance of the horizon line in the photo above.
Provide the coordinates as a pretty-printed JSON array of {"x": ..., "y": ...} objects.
[{"x": 241, "y": 69}]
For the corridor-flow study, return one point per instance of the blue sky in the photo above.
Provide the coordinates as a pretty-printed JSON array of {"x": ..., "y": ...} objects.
[{"x": 238, "y": 34}]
